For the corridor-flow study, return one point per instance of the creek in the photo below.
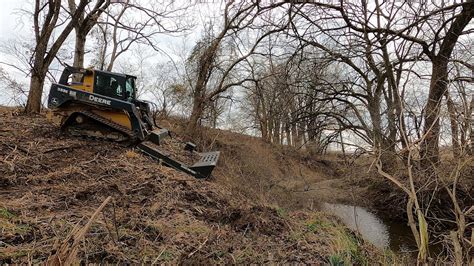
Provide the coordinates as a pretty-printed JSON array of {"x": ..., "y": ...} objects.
[{"x": 381, "y": 232}]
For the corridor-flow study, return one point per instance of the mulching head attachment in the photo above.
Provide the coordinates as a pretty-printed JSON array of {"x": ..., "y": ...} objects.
[{"x": 155, "y": 147}]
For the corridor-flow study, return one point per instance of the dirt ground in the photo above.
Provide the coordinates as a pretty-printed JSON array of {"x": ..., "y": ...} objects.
[{"x": 50, "y": 183}]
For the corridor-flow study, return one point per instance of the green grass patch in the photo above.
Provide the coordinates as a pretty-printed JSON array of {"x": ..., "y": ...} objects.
[
  {"x": 346, "y": 246},
  {"x": 281, "y": 212},
  {"x": 166, "y": 256},
  {"x": 5, "y": 214},
  {"x": 317, "y": 224},
  {"x": 336, "y": 260}
]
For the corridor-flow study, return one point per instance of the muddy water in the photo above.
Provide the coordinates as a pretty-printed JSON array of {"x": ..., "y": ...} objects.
[{"x": 380, "y": 232}]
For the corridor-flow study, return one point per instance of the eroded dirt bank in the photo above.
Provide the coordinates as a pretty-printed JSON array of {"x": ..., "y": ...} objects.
[{"x": 49, "y": 183}]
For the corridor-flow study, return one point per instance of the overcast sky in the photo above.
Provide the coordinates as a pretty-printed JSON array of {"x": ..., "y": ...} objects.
[
  {"x": 8, "y": 18},
  {"x": 12, "y": 29}
]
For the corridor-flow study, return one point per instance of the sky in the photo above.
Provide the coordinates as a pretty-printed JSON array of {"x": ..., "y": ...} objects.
[
  {"x": 10, "y": 29},
  {"x": 8, "y": 19}
]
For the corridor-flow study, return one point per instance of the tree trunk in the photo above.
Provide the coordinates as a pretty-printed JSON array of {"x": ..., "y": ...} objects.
[
  {"x": 263, "y": 122},
  {"x": 380, "y": 142},
  {"x": 376, "y": 120},
  {"x": 276, "y": 131},
  {"x": 343, "y": 149},
  {"x": 264, "y": 129},
  {"x": 287, "y": 134},
  {"x": 203, "y": 75},
  {"x": 33, "y": 104},
  {"x": 294, "y": 135},
  {"x": 391, "y": 141},
  {"x": 438, "y": 86},
  {"x": 80, "y": 49},
  {"x": 454, "y": 126},
  {"x": 196, "y": 114},
  {"x": 471, "y": 127},
  {"x": 270, "y": 128}
]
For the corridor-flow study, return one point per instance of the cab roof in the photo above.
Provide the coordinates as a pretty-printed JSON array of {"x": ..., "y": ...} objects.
[{"x": 68, "y": 70}]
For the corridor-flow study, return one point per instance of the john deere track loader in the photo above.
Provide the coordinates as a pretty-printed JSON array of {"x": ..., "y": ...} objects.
[{"x": 102, "y": 104}]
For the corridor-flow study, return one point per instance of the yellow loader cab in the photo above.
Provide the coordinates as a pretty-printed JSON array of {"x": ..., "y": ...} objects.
[{"x": 103, "y": 105}]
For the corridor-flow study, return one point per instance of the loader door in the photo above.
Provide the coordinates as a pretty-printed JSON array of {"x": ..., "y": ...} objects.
[
  {"x": 130, "y": 92},
  {"x": 110, "y": 85}
]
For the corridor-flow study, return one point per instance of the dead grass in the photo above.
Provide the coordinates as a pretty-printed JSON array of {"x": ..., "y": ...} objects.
[
  {"x": 50, "y": 182},
  {"x": 273, "y": 174}
]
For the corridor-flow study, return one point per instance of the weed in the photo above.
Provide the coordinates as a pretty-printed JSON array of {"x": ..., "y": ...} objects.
[
  {"x": 281, "y": 212},
  {"x": 23, "y": 229},
  {"x": 347, "y": 246},
  {"x": 166, "y": 256},
  {"x": 317, "y": 224},
  {"x": 296, "y": 235},
  {"x": 388, "y": 257},
  {"x": 312, "y": 227},
  {"x": 13, "y": 255},
  {"x": 4, "y": 213},
  {"x": 336, "y": 260},
  {"x": 220, "y": 254}
]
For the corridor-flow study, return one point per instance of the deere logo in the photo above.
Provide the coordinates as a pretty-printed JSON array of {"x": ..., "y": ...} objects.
[{"x": 99, "y": 100}]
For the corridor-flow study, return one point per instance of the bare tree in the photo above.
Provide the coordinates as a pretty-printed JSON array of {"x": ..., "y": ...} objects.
[
  {"x": 82, "y": 28},
  {"x": 15, "y": 90},
  {"x": 47, "y": 20},
  {"x": 238, "y": 16},
  {"x": 134, "y": 24}
]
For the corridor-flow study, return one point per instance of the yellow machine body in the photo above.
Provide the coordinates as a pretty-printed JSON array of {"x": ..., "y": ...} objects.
[{"x": 86, "y": 84}]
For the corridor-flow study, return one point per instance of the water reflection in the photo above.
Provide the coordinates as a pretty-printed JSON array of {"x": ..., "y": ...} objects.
[{"x": 360, "y": 220}]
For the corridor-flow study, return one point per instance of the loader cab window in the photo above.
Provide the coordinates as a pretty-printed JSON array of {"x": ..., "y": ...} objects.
[
  {"x": 75, "y": 79},
  {"x": 108, "y": 85},
  {"x": 130, "y": 88}
]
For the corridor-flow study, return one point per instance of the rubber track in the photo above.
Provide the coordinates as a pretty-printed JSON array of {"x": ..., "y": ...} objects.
[{"x": 107, "y": 122}]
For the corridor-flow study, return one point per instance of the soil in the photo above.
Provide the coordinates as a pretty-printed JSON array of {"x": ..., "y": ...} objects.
[{"x": 49, "y": 183}]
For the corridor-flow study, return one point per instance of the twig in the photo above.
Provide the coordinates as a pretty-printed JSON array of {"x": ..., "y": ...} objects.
[
  {"x": 62, "y": 148},
  {"x": 14, "y": 147},
  {"x": 158, "y": 257},
  {"x": 67, "y": 252},
  {"x": 199, "y": 248}
]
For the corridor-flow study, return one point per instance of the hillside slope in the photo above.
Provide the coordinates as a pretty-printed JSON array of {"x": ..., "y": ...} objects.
[
  {"x": 49, "y": 183},
  {"x": 291, "y": 178}
]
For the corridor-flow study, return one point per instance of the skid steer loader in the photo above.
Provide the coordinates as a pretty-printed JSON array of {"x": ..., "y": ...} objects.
[{"x": 101, "y": 104}]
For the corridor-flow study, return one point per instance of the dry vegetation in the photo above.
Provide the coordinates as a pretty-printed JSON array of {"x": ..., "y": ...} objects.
[
  {"x": 51, "y": 184},
  {"x": 278, "y": 175}
]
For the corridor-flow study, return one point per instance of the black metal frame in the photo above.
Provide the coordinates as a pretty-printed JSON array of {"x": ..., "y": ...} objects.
[{"x": 202, "y": 169}]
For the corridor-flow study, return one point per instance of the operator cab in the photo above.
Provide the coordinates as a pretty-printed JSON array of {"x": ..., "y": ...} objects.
[{"x": 114, "y": 85}]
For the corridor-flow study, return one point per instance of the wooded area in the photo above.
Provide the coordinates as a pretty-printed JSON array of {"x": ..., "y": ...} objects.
[{"x": 392, "y": 79}]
